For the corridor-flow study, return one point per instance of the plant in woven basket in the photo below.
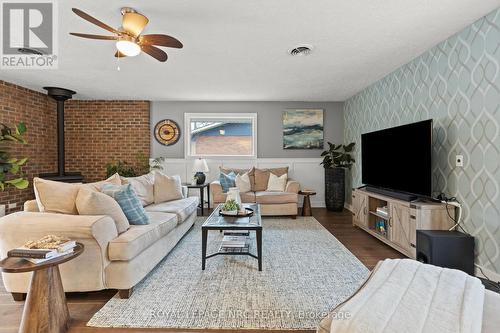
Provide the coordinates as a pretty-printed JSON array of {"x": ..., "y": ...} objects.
[
  {"x": 338, "y": 156},
  {"x": 10, "y": 166},
  {"x": 335, "y": 161}
]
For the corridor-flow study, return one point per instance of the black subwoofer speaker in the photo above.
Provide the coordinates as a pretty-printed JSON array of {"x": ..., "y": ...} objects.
[{"x": 450, "y": 249}]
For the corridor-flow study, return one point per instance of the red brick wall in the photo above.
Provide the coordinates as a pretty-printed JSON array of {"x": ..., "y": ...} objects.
[
  {"x": 19, "y": 104},
  {"x": 97, "y": 132}
]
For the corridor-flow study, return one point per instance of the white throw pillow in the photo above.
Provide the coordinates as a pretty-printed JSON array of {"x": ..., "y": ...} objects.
[
  {"x": 243, "y": 183},
  {"x": 96, "y": 186},
  {"x": 143, "y": 186},
  {"x": 277, "y": 184},
  {"x": 55, "y": 197},
  {"x": 167, "y": 188},
  {"x": 90, "y": 202}
]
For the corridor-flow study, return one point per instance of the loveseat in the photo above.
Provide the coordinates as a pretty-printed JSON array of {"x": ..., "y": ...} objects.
[
  {"x": 272, "y": 203},
  {"x": 111, "y": 260}
]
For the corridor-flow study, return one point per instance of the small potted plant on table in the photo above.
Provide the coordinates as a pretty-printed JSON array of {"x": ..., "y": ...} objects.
[{"x": 230, "y": 207}]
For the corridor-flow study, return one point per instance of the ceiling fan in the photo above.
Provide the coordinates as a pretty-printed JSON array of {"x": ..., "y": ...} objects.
[{"x": 129, "y": 40}]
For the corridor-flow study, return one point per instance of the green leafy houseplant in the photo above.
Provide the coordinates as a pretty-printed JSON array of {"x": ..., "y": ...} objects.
[
  {"x": 230, "y": 205},
  {"x": 338, "y": 156},
  {"x": 11, "y": 167},
  {"x": 125, "y": 169},
  {"x": 335, "y": 161},
  {"x": 147, "y": 165},
  {"x": 121, "y": 167}
]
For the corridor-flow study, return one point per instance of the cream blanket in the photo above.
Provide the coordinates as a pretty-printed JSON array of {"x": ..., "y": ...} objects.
[{"x": 405, "y": 296}]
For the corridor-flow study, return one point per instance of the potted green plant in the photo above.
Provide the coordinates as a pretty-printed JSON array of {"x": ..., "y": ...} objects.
[
  {"x": 230, "y": 207},
  {"x": 335, "y": 161},
  {"x": 125, "y": 169},
  {"x": 121, "y": 167},
  {"x": 11, "y": 167}
]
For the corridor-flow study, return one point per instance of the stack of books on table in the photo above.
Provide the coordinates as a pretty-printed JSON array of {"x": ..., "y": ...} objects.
[
  {"x": 236, "y": 233},
  {"x": 37, "y": 255},
  {"x": 234, "y": 244}
]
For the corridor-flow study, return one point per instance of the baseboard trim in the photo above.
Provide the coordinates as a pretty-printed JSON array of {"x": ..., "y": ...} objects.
[
  {"x": 348, "y": 206},
  {"x": 317, "y": 204},
  {"x": 495, "y": 277}
]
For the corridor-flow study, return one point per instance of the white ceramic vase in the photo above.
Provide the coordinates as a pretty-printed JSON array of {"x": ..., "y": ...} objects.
[{"x": 234, "y": 194}]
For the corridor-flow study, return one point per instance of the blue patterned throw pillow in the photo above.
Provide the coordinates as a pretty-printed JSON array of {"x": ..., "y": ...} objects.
[
  {"x": 128, "y": 201},
  {"x": 227, "y": 181}
]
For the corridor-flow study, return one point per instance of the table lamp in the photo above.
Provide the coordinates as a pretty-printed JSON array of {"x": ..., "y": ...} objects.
[{"x": 200, "y": 166}]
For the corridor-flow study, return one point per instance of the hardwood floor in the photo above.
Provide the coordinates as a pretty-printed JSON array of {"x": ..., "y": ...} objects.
[{"x": 82, "y": 306}]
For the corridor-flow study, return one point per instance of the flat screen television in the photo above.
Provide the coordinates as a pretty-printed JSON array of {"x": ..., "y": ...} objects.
[{"x": 399, "y": 159}]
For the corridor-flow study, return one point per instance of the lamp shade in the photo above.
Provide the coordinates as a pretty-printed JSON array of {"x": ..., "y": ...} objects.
[
  {"x": 200, "y": 165},
  {"x": 134, "y": 23}
]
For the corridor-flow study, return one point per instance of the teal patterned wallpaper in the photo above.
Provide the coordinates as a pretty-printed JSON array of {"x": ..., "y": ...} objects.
[{"x": 456, "y": 83}]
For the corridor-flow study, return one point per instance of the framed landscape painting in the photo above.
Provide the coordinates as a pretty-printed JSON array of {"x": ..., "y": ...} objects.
[{"x": 303, "y": 129}]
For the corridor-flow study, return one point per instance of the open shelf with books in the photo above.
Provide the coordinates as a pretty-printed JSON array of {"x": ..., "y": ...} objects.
[
  {"x": 378, "y": 216},
  {"x": 394, "y": 221}
]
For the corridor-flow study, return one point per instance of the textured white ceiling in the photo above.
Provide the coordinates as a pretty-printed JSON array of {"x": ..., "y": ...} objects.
[{"x": 237, "y": 50}]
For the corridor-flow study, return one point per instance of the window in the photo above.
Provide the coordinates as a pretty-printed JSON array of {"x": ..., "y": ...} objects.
[{"x": 221, "y": 134}]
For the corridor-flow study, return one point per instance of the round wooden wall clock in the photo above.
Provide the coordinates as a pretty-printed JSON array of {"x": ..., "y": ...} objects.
[{"x": 167, "y": 132}]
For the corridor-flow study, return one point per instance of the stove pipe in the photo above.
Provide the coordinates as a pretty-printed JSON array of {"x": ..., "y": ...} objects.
[{"x": 61, "y": 95}]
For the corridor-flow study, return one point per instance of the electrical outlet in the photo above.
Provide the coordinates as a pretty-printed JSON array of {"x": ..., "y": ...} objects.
[
  {"x": 459, "y": 160},
  {"x": 12, "y": 205}
]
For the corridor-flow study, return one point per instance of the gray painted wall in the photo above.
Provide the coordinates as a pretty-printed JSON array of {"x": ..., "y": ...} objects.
[
  {"x": 269, "y": 124},
  {"x": 456, "y": 83}
]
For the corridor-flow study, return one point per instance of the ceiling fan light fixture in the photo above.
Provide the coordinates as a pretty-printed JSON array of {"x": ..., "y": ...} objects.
[
  {"x": 128, "y": 38},
  {"x": 128, "y": 48},
  {"x": 134, "y": 22}
]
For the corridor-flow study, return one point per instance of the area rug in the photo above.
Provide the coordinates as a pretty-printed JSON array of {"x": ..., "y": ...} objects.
[{"x": 306, "y": 273}]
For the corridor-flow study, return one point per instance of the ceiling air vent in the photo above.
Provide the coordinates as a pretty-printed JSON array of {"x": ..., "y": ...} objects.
[{"x": 301, "y": 50}]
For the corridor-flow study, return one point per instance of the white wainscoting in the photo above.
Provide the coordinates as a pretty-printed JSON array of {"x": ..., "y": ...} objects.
[{"x": 307, "y": 171}]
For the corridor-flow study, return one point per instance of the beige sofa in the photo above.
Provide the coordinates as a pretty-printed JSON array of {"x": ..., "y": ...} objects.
[
  {"x": 271, "y": 203},
  {"x": 110, "y": 260}
]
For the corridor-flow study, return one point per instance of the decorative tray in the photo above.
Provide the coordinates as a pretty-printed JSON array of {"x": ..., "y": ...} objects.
[{"x": 248, "y": 212}]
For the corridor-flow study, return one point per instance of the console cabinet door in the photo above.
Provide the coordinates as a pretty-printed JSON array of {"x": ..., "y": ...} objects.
[
  {"x": 360, "y": 207},
  {"x": 402, "y": 227}
]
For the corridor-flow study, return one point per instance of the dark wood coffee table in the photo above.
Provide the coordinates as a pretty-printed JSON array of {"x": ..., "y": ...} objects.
[
  {"x": 45, "y": 309},
  {"x": 221, "y": 223}
]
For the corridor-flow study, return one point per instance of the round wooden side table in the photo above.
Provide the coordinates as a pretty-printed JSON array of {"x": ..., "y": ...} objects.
[
  {"x": 306, "y": 206},
  {"x": 45, "y": 309}
]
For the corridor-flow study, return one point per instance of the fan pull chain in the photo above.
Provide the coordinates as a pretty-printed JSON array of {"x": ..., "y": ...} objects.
[{"x": 118, "y": 64}]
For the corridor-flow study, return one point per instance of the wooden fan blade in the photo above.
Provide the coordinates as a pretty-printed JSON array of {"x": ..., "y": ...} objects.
[
  {"x": 93, "y": 20},
  {"x": 118, "y": 54},
  {"x": 93, "y": 36},
  {"x": 155, "y": 52},
  {"x": 161, "y": 40}
]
